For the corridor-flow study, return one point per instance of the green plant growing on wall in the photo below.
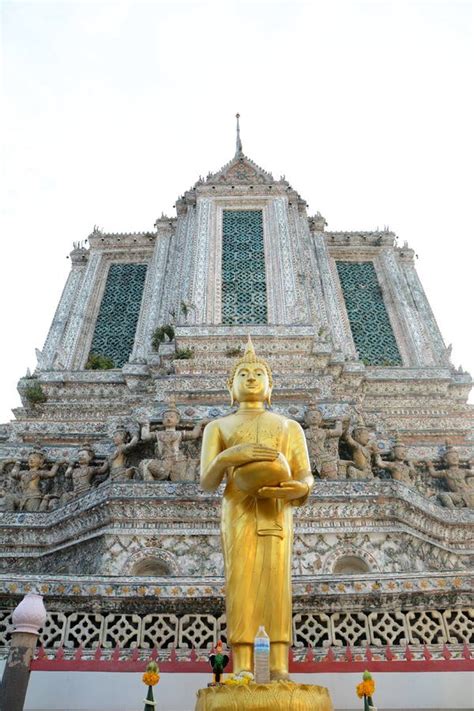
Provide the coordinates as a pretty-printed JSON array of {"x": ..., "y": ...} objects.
[
  {"x": 184, "y": 353},
  {"x": 96, "y": 361},
  {"x": 35, "y": 394},
  {"x": 185, "y": 309},
  {"x": 161, "y": 334},
  {"x": 231, "y": 352}
]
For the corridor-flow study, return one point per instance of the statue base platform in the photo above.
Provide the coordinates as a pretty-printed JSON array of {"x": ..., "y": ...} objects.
[{"x": 276, "y": 696}]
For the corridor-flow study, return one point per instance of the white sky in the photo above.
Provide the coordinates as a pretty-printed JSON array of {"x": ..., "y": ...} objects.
[{"x": 111, "y": 110}]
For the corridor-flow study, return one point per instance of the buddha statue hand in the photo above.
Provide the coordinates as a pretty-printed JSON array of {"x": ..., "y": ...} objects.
[
  {"x": 287, "y": 490},
  {"x": 246, "y": 453},
  {"x": 254, "y": 475}
]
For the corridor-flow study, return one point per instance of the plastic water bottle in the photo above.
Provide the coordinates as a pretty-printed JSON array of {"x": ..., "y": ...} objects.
[{"x": 261, "y": 657}]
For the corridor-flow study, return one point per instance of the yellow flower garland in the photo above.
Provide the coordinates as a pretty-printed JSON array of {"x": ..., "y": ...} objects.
[
  {"x": 242, "y": 679},
  {"x": 151, "y": 677},
  {"x": 365, "y": 688}
]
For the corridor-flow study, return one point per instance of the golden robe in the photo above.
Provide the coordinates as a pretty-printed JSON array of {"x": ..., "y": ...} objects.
[{"x": 257, "y": 536}]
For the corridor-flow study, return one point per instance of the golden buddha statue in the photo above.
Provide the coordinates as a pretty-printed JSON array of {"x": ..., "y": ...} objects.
[{"x": 264, "y": 459}]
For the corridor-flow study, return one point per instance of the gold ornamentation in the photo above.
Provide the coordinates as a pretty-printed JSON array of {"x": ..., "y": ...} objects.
[{"x": 276, "y": 696}]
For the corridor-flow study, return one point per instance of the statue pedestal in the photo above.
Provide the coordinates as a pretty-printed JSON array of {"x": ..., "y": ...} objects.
[{"x": 276, "y": 696}]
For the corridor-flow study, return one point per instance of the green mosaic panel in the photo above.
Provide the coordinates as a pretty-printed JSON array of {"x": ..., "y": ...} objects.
[
  {"x": 371, "y": 328},
  {"x": 244, "y": 289},
  {"x": 119, "y": 310}
]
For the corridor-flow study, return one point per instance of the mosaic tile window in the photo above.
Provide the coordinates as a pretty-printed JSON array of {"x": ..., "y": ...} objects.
[
  {"x": 371, "y": 328},
  {"x": 119, "y": 310},
  {"x": 244, "y": 290}
]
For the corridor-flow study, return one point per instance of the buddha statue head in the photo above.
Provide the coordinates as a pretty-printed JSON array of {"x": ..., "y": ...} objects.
[{"x": 250, "y": 380}]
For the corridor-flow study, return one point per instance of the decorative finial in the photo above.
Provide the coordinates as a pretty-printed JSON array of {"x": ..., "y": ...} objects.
[
  {"x": 238, "y": 142},
  {"x": 249, "y": 354},
  {"x": 30, "y": 615},
  {"x": 170, "y": 405}
]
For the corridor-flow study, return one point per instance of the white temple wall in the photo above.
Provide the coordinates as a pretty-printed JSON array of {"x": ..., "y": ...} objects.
[
  {"x": 108, "y": 691},
  {"x": 185, "y": 267},
  {"x": 53, "y": 356},
  {"x": 153, "y": 295},
  {"x": 286, "y": 299},
  {"x": 332, "y": 298},
  {"x": 427, "y": 319}
]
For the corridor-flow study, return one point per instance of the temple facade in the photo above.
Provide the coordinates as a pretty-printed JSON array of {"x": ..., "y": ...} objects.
[{"x": 100, "y": 505}]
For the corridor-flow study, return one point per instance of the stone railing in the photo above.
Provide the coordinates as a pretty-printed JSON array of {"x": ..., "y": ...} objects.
[{"x": 197, "y": 631}]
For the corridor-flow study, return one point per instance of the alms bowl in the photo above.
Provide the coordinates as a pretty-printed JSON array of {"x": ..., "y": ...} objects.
[{"x": 251, "y": 477}]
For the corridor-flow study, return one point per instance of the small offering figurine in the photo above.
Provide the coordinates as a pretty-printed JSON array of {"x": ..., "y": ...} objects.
[
  {"x": 218, "y": 662},
  {"x": 365, "y": 690},
  {"x": 151, "y": 677}
]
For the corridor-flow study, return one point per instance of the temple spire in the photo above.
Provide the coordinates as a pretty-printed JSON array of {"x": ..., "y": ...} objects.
[{"x": 238, "y": 142}]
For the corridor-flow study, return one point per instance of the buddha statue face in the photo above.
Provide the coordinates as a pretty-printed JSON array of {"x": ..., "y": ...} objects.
[
  {"x": 251, "y": 383},
  {"x": 251, "y": 378}
]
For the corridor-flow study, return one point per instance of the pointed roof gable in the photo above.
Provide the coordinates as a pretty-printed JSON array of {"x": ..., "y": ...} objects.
[{"x": 240, "y": 170}]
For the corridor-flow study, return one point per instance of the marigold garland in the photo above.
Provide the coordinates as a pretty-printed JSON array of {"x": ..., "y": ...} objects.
[
  {"x": 365, "y": 688},
  {"x": 242, "y": 679},
  {"x": 235, "y": 682},
  {"x": 365, "y": 691},
  {"x": 150, "y": 678}
]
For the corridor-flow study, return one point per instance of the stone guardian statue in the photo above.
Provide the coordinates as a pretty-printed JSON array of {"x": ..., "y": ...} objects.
[
  {"x": 322, "y": 443},
  {"x": 31, "y": 498},
  {"x": 460, "y": 482},
  {"x": 363, "y": 451},
  {"x": 401, "y": 468},
  {"x": 170, "y": 461},
  {"x": 118, "y": 465},
  {"x": 82, "y": 473}
]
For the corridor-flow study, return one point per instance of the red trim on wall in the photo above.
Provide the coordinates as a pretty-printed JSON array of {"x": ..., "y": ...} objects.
[{"x": 352, "y": 661}]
